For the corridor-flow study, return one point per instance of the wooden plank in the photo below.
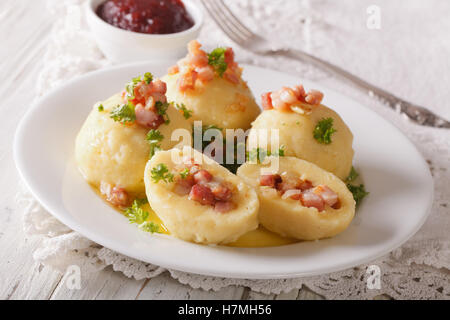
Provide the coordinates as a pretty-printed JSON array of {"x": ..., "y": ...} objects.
[
  {"x": 253, "y": 295},
  {"x": 164, "y": 287},
  {"x": 103, "y": 285},
  {"x": 296, "y": 294},
  {"x": 36, "y": 283},
  {"x": 306, "y": 294},
  {"x": 20, "y": 276},
  {"x": 291, "y": 295}
]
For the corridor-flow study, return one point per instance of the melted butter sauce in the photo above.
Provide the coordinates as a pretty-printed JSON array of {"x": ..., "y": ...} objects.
[
  {"x": 258, "y": 238},
  {"x": 153, "y": 217}
]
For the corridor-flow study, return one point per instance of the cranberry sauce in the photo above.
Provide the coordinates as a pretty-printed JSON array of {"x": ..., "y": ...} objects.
[{"x": 146, "y": 16}]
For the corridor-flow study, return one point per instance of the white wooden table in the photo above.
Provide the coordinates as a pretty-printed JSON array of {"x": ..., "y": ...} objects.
[{"x": 24, "y": 32}]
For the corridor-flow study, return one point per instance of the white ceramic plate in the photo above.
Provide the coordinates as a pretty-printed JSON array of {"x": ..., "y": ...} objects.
[{"x": 393, "y": 171}]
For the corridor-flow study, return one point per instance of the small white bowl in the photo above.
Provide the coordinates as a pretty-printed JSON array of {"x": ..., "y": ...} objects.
[{"x": 120, "y": 45}]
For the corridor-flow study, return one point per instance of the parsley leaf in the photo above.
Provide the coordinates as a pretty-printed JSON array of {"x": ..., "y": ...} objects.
[
  {"x": 141, "y": 201},
  {"x": 359, "y": 192},
  {"x": 352, "y": 175},
  {"x": 135, "y": 213},
  {"x": 100, "y": 108},
  {"x": 323, "y": 131},
  {"x": 278, "y": 153},
  {"x": 154, "y": 137},
  {"x": 212, "y": 127},
  {"x": 148, "y": 77},
  {"x": 216, "y": 59},
  {"x": 161, "y": 172},
  {"x": 130, "y": 87},
  {"x": 186, "y": 112},
  {"x": 123, "y": 113},
  {"x": 239, "y": 148},
  {"x": 200, "y": 131},
  {"x": 259, "y": 154},
  {"x": 185, "y": 173},
  {"x": 161, "y": 109},
  {"x": 149, "y": 226}
]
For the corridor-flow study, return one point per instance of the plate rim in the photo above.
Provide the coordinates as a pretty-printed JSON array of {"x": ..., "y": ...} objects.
[{"x": 18, "y": 160}]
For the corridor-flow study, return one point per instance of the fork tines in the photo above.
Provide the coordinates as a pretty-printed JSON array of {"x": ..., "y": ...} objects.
[{"x": 227, "y": 21}]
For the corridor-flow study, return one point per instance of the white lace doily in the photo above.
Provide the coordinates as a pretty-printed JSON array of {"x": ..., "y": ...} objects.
[{"x": 419, "y": 269}]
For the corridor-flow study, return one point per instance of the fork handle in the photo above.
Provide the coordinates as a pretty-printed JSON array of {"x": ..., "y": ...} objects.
[{"x": 417, "y": 114}]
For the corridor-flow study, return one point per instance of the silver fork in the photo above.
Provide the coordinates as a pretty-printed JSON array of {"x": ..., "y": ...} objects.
[{"x": 244, "y": 37}]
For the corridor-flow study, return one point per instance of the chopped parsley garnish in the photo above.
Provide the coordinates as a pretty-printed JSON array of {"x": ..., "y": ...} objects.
[
  {"x": 256, "y": 155},
  {"x": 237, "y": 150},
  {"x": 123, "y": 113},
  {"x": 161, "y": 172},
  {"x": 216, "y": 59},
  {"x": 100, "y": 108},
  {"x": 154, "y": 134},
  {"x": 148, "y": 77},
  {"x": 184, "y": 174},
  {"x": 352, "y": 175},
  {"x": 136, "y": 214},
  {"x": 359, "y": 192},
  {"x": 259, "y": 154},
  {"x": 161, "y": 109},
  {"x": 237, "y": 153},
  {"x": 141, "y": 201},
  {"x": 130, "y": 87},
  {"x": 186, "y": 112},
  {"x": 200, "y": 131},
  {"x": 211, "y": 126},
  {"x": 154, "y": 137},
  {"x": 279, "y": 152},
  {"x": 323, "y": 130},
  {"x": 149, "y": 226}
]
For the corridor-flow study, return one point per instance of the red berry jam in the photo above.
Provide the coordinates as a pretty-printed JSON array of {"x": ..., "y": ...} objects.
[{"x": 146, "y": 16}]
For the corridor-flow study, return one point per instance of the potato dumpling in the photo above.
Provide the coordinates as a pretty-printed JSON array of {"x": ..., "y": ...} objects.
[
  {"x": 289, "y": 217},
  {"x": 219, "y": 102},
  {"x": 296, "y": 135},
  {"x": 110, "y": 152},
  {"x": 190, "y": 220}
]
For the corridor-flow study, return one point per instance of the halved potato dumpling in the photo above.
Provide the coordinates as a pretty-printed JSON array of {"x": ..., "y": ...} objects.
[
  {"x": 110, "y": 152},
  {"x": 191, "y": 221},
  {"x": 289, "y": 217}
]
